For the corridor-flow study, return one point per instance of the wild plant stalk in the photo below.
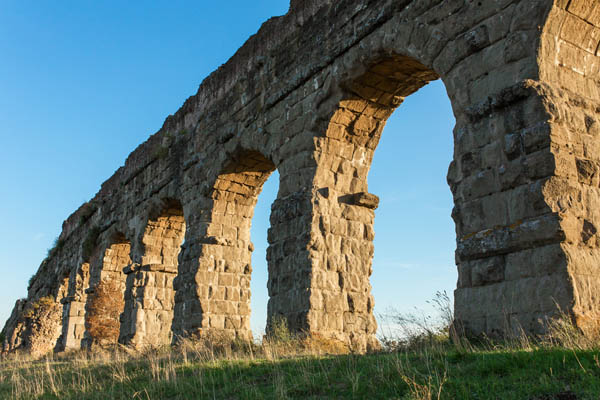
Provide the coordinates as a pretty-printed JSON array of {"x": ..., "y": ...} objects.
[{"x": 419, "y": 360}]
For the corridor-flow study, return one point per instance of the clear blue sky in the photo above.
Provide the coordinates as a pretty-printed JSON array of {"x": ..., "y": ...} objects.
[{"x": 83, "y": 83}]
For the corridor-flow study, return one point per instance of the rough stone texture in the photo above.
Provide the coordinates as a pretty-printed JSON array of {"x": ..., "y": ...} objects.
[
  {"x": 309, "y": 95},
  {"x": 34, "y": 326}
]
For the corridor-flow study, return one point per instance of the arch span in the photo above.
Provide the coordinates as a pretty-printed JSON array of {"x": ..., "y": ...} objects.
[
  {"x": 522, "y": 78},
  {"x": 223, "y": 272},
  {"x": 150, "y": 297}
]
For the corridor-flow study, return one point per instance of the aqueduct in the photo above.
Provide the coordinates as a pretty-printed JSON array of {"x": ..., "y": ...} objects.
[{"x": 309, "y": 95}]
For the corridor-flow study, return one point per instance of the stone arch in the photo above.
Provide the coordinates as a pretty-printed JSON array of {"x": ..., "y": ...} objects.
[
  {"x": 522, "y": 77},
  {"x": 340, "y": 296},
  {"x": 356, "y": 125},
  {"x": 224, "y": 269},
  {"x": 150, "y": 295},
  {"x": 105, "y": 295},
  {"x": 496, "y": 184}
]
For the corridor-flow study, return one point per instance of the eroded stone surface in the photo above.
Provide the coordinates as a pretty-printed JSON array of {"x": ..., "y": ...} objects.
[{"x": 309, "y": 95}]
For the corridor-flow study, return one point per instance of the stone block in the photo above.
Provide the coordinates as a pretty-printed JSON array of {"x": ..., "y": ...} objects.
[{"x": 486, "y": 271}]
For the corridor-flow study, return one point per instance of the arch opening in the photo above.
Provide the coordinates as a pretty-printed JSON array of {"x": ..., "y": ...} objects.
[
  {"x": 344, "y": 304},
  {"x": 260, "y": 226},
  {"x": 415, "y": 236}
]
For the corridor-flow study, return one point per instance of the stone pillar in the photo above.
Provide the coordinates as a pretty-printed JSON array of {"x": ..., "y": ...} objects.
[
  {"x": 187, "y": 311},
  {"x": 525, "y": 176},
  {"x": 569, "y": 73},
  {"x": 218, "y": 300},
  {"x": 288, "y": 257},
  {"x": 73, "y": 319},
  {"x": 149, "y": 295},
  {"x": 148, "y": 311},
  {"x": 512, "y": 270},
  {"x": 213, "y": 287},
  {"x": 213, "y": 291}
]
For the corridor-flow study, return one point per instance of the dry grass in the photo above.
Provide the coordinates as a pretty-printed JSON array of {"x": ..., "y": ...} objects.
[
  {"x": 428, "y": 365},
  {"x": 105, "y": 306}
]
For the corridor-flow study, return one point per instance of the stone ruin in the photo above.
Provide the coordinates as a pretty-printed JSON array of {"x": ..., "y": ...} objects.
[{"x": 309, "y": 95}]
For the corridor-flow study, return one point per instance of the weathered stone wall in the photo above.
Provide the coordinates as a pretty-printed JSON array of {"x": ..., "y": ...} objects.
[
  {"x": 570, "y": 77},
  {"x": 309, "y": 95}
]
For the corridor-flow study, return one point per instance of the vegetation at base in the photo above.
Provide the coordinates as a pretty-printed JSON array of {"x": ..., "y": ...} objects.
[
  {"x": 182, "y": 374},
  {"x": 105, "y": 305},
  {"x": 562, "y": 365}
]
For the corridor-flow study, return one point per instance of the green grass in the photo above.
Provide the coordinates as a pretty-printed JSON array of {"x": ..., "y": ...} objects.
[
  {"x": 542, "y": 373},
  {"x": 423, "y": 364}
]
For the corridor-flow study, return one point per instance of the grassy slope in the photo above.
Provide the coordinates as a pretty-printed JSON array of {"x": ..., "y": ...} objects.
[{"x": 483, "y": 374}]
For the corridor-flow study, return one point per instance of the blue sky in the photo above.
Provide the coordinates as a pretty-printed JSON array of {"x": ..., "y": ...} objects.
[{"x": 83, "y": 83}]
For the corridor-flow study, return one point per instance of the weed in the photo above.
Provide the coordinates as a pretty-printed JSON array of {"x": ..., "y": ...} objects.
[
  {"x": 218, "y": 365},
  {"x": 30, "y": 282},
  {"x": 561, "y": 332},
  {"x": 87, "y": 210},
  {"x": 278, "y": 330},
  {"x": 56, "y": 247},
  {"x": 161, "y": 152},
  {"x": 418, "y": 329}
]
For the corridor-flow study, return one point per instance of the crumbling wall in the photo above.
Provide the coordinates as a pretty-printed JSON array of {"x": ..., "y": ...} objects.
[{"x": 309, "y": 96}]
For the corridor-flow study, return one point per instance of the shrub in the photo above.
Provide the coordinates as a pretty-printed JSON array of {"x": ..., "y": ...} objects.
[
  {"x": 30, "y": 283},
  {"x": 39, "y": 306},
  {"x": 106, "y": 304},
  {"x": 278, "y": 330},
  {"x": 56, "y": 246},
  {"x": 161, "y": 152}
]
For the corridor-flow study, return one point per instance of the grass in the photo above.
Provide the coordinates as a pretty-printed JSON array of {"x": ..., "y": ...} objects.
[
  {"x": 427, "y": 365},
  {"x": 442, "y": 373}
]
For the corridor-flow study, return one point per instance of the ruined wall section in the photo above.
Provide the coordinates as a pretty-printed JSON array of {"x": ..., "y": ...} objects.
[
  {"x": 153, "y": 171},
  {"x": 486, "y": 54},
  {"x": 36, "y": 321},
  {"x": 570, "y": 70},
  {"x": 316, "y": 122}
]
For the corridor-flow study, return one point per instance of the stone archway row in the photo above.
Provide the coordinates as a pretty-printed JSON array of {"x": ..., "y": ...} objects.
[{"x": 309, "y": 96}]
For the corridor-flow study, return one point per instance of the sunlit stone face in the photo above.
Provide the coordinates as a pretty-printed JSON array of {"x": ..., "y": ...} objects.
[{"x": 309, "y": 97}]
